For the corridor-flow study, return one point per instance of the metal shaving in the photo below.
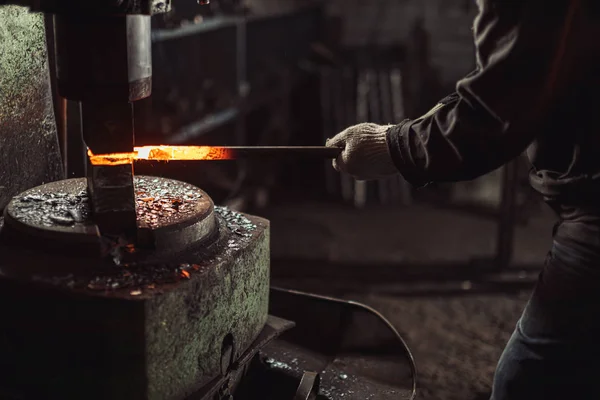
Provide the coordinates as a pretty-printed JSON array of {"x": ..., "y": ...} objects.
[
  {"x": 161, "y": 201},
  {"x": 51, "y": 209},
  {"x": 236, "y": 223},
  {"x": 272, "y": 363},
  {"x": 138, "y": 278},
  {"x": 145, "y": 278}
]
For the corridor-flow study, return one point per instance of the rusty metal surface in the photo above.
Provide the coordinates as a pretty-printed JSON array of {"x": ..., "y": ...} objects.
[
  {"x": 30, "y": 154},
  {"x": 164, "y": 202},
  {"x": 171, "y": 215},
  {"x": 142, "y": 331}
]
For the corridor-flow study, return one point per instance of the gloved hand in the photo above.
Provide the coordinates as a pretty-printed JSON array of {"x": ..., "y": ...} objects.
[{"x": 366, "y": 155}]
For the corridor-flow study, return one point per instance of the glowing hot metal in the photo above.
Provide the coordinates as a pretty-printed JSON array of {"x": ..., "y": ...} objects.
[
  {"x": 211, "y": 153},
  {"x": 163, "y": 153}
]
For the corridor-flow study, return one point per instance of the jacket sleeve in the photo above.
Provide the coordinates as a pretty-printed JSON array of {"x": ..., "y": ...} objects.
[{"x": 489, "y": 119}]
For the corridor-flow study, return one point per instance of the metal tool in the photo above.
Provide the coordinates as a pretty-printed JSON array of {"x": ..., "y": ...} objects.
[
  {"x": 210, "y": 153},
  {"x": 284, "y": 151},
  {"x": 104, "y": 62},
  {"x": 182, "y": 313}
]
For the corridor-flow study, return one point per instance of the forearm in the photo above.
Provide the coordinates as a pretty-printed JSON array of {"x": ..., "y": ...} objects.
[
  {"x": 455, "y": 141},
  {"x": 492, "y": 116}
]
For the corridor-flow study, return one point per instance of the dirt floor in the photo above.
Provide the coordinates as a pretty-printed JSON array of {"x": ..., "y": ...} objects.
[{"x": 456, "y": 327}]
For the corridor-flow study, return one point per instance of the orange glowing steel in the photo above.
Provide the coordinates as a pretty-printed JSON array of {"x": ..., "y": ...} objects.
[{"x": 164, "y": 153}]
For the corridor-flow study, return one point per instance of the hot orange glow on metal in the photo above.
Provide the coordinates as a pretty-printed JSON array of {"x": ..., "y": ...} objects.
[{"x": 164, "y": 153}]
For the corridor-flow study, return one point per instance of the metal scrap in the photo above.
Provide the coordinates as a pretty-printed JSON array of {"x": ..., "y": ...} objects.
[
  {"x": 146, "y": 277},
  {"x": 236, "y": 223},
  {"x": 159, "y": 202},
  {"x": 240, "y": 230},
  {"x": 52, "y": 209}
]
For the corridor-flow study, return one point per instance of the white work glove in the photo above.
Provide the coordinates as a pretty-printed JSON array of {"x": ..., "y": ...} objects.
[{"x": 366, "y": 155}]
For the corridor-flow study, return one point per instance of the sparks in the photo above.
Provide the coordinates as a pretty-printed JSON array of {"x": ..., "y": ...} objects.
[{"x": 163, "y": 153}]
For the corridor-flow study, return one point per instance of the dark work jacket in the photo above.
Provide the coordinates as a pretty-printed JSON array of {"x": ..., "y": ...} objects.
[{"x": 535, "y": 88}]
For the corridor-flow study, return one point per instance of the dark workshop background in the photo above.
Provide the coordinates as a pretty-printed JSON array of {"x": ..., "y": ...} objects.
[{"x": 451, "y": 266}]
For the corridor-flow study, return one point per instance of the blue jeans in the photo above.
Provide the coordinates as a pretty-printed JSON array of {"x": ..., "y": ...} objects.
[{"x": 554, "y": 352}]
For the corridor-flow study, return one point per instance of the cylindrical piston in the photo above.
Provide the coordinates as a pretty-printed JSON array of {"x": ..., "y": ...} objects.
[{"x": 103, "y": 59}]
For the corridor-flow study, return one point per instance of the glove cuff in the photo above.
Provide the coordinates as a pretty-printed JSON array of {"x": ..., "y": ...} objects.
[{"x": 378, "y": 151}]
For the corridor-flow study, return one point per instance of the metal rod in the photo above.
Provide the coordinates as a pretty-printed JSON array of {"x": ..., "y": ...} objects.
[
  {"x": 210, "y": 153},
  {"x": 282, "y": 151}
]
